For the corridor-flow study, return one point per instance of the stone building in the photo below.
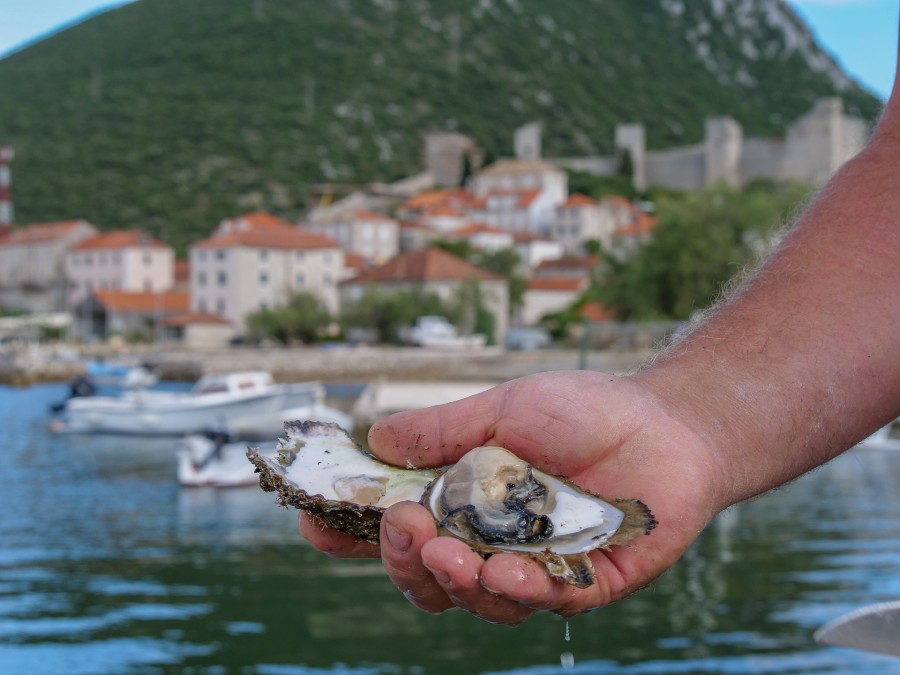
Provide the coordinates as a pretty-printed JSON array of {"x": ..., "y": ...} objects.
[
  {"x": 32, "y": 264},
  {"x": 257, "y": 261}
]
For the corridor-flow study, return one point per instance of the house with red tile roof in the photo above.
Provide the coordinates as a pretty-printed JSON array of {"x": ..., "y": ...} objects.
[
  {"x": 519, "y": 194},
  {"x": 198, "y": 330},
  {"x": 373, "y": 236},
  {"x": 32, "y": 257},
  {"x": 119, "y": 260},
  {"x": 549, "y": 295},
  {"x": 482, "y": 237},
  {"x": 435, "y": 271},
  {"x": 258, "y": 261},
  {"x": 104, "y": 312},
  {"x": 533, "y": 249}
]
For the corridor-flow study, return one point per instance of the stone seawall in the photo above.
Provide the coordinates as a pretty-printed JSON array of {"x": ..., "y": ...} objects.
[{"x": 336, "y": 364}]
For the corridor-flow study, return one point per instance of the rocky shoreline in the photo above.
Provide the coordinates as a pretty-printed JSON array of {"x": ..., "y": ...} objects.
[{"x": 328, "y": 363}]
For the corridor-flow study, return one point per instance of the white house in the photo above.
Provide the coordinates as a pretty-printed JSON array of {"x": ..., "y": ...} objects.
[
  {"x": 258, "y": 261},
  {"x": 549, "y": 295},
  {"x": 120, "y": 260},
  {"x": 519, "y": 195},
  {"x": 580, "y": 219},
  {"x": 32, "y": 264},
  {"x": 534, "y": 249},
  {"x": 374, "y": 236}
]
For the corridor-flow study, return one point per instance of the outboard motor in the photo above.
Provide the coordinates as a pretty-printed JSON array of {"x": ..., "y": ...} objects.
[{"x": 79, "y": 387}]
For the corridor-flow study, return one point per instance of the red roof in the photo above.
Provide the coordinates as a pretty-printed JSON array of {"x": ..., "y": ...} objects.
[
  {"x": 262, "y": 230},
  {"x": 365, "y": 214},
  {"x": 196, "y": 318},
  {"x": 556, "y": 284},
  {"x": 41, "y": 232},
  {"x": 469, "y": 229},
  {"x": 569, "y": 262},
  {"x": 577, "y": 199},
  {"x": 432, "y": 264},
  {"x": 594, "y": 311},
  {"x": 143, "y": 301},
  {"x": 643, "y": 224},
  {"x": 120, "y": 239}
]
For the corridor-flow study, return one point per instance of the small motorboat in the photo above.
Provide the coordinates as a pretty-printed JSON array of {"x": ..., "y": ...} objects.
[
  {"x": 217, "y": 459},
  {"x": 240, "y": 401},
  {"x": 121, "y": 375}
]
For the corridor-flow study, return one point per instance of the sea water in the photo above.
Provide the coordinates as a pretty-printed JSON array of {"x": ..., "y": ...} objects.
[{"x": 108, "y": 566}]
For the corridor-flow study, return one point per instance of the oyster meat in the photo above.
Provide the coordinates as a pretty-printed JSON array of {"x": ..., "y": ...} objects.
[{"x": 491, "y": 499}]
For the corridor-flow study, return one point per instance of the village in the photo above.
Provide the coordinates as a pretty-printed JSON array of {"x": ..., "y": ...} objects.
[{"x": 92, "y": 282}]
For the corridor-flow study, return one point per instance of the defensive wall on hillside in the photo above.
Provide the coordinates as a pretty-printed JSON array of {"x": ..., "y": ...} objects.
[{"x": 812, "y": 150}]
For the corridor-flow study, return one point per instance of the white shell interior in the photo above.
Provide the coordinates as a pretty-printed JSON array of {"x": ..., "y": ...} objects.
[{"x": 333, "y": 467}]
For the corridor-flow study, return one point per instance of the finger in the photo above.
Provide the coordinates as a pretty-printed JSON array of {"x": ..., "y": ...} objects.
[
  {"x": 405, "y": 528},
  {"x": 439, "y": 435},
  {"x": 457, "y": 568},
  {"x": 334, "y": 543},
  {"x": 526, "y": 582}
]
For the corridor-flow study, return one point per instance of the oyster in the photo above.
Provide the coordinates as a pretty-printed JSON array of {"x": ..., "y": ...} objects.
[{"x": 490, "y": 499}]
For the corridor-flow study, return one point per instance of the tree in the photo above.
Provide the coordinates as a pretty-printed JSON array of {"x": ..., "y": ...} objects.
[
  {"x": 387, "y": 312},
  {"x": 702, "y": 240},
  {"x": 303, "y": 318}
]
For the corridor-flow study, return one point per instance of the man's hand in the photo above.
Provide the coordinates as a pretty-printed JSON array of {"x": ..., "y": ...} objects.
[{"x": 602, "y": 432}]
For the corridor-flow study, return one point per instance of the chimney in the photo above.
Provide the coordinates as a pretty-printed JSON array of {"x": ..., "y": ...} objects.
[{"x": 6, "y": 206}]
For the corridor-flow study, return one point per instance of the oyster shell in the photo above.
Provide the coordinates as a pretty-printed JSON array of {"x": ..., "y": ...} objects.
[
  {"x": 490, "y": 499},
  {"x": 319, "y": 468}
]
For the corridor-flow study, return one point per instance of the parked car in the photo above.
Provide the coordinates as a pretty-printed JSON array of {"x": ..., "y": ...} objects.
[{"x": 527, "y": 338}]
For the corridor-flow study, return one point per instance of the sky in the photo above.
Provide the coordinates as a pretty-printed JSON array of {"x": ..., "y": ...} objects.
[{"x": 861, "y": 35}]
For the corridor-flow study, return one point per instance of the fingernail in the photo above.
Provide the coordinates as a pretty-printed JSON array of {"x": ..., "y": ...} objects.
[
  {"x": 442, "y": 577},
  {"x": 398, "y": 539}
]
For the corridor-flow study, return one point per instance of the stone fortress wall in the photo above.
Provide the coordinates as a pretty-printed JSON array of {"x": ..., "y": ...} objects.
[{"x": 813, "y": 149}]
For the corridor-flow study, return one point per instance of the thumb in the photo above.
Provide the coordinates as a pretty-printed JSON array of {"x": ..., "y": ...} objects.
[{"x": 439, "y": 435}]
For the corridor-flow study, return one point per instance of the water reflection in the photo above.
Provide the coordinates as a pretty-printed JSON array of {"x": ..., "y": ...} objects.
[{"x": 107, "y": 566}]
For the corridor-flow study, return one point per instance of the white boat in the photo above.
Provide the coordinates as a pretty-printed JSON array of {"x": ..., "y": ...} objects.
[
  {"x": 121, "y": 375},
  {"x": 218, "y": 458},
  {"x": 216, "y": 461},
  {"x": 241, "y": 401},
  {"x": 886, "y": 438}
]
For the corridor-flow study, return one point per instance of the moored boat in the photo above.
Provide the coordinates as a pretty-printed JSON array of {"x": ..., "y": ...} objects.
[{"x": 241, "y": 401}]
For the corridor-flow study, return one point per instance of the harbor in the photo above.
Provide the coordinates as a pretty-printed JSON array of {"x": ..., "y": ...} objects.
[{"x": 108, "y": 565}]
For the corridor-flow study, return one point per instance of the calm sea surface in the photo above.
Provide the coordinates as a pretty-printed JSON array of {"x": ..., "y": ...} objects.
[{"x": 107, "y": 566}]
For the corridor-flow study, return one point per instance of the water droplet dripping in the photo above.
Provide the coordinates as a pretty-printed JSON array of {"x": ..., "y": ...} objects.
[{"x": 568, "y": 635}]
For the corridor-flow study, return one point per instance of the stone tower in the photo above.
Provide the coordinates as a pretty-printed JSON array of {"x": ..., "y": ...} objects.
[
  {"x": 723, "y": 147},
  {"x": 632, "y": 138}
]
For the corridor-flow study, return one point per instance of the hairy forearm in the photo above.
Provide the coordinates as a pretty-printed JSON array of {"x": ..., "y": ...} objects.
[{"x": 799, "y": 364}]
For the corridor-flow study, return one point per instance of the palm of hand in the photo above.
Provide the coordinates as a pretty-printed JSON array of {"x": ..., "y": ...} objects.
[{"x": 602, "y": 432}]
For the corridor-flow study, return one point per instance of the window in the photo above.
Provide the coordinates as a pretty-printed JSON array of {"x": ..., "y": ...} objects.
[
  {"x": 299, "y": 255},
  {"x": 263, "y": 254},
  {"x": 222, "y": 278},
  {"x": 201, "y": 305},
  {"x": 220, "y": 255},
  {"x": 220, "y": 306},
  {"x": 300, "y": 279},
  {"x": 201, "y": 279},
  {"x": 327, "y": 280},
  {"x": 263, "y": 278}
]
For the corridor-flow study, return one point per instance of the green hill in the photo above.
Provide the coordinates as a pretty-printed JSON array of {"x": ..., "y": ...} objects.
[{"x": 171, "y": 114}]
